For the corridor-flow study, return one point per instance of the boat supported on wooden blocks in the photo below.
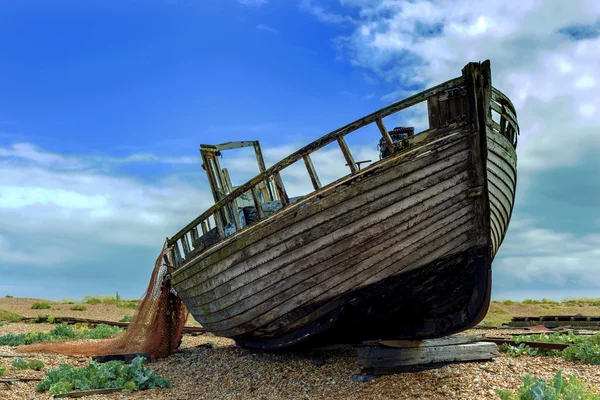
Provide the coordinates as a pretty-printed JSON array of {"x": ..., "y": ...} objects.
[{"x": 401, "y": 248}]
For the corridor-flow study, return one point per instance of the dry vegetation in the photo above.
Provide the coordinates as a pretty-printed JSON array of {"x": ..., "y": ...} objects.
[
  {"x": 208, "y": 367},
  {"x": 500, "y": 312}
]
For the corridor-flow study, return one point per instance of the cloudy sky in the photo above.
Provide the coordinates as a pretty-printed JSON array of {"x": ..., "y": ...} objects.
[{"x": 103, "y": 106}]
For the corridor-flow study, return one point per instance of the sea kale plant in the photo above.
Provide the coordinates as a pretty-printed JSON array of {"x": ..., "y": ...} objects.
[
  {"x": 583, "y": 348},
  {"x": 113, "y": 374},
  {"x": 558, "y": 388}
]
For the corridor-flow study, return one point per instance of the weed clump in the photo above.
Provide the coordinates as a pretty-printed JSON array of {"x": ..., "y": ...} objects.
[
  {"x": 41, "y": 305},
  {"x": 60, "y": 333}
]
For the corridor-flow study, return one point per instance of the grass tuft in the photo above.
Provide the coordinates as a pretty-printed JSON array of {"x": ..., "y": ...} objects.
[
  {"x": 9, "y": 317},
  {"x": 41, "y": 305}
]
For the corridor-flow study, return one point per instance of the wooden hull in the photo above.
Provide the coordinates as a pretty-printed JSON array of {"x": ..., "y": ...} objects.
[{"x": 402, "y": 249}]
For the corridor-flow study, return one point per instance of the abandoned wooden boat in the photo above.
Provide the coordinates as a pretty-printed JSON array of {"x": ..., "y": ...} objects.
[{"x": 401, "y": 248}]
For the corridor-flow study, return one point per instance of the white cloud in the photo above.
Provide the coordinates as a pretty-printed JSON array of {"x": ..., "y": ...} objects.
[
  {"x": 70, "y": 207},
  {"x": 83, "y": 200},
  {"x": 265, "y": 28},
  {"x": 324, "y": 15},
  {"x": 550, "y": 78},
  {"x": 534, "y": 255}
]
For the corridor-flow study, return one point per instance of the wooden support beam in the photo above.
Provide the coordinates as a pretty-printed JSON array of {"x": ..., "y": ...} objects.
[
  {"x": 283, "y": 196},
  {"x": 195, "y": 234},
  {"x": 204, "y": 227},
  {"x": 259, "y": 211},
  {"x": 228, "y": 185},
  {"x": 177, "y": 259},
  {"x": 219, "y": 173},
  {"x": 386, "y": 136},
  {"x": 262, "y": 167},
  {"x": 347, "y": 154},
  {"x": 236, "y": 216},
  {"x": 186, "y": 245},
  {"x": 218, "y": 215},
  {"x": 314, "y": 178}
]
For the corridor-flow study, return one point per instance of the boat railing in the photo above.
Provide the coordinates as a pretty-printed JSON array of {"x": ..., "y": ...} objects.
[
  {"x": 508, "y": 125},
  {"x": 224, "y": 210},
  {"x": 190, "y": 233}
]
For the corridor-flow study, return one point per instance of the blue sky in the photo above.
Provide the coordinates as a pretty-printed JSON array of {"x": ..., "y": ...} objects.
[{"x": 103, "y": 106}]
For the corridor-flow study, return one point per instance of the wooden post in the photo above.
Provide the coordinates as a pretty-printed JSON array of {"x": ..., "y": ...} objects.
[
  {"x": 262, "y": 167},
  {"x": 195, "y": 234},
  {"x": 227, "y": 178},
  {"x": 177, "y": 259},
  {"x": 347, "y": 154},
  {"x": 386, "y": 136},
  {"x": 259, "y": 211},
  {"x": 314, "y": 178},
  {"x": 204, "y": 228},
  {"x": 477, "y": 77},
  {"x": 285, "y": 200},
  {"x": 186, "y": 245}
]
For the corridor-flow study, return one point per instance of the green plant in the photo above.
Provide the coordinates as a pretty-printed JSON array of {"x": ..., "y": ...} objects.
[
  {"x": 19, "y": 363},
  {"x": 59, "y": 333},
  {"x": 126, "y": 318},
  {"x": 44, "y": 318},
  {"x": 531, "y": 301},
  {"x": 67, "y": 301},
  {"x": 128, "y": 304},
  {"x": 41, "y": 305},
  {"x": 558, "y": 389},
  {"x": 79, "y": 307},
  {"x": 8, "y": 296},
  {"x": 583, "y": 348},
  {"x": 507, "y": 302},
  {"x": 112, "y": 374},
  {"x": 9, "y": 317},
  {"x": 92, "y": 300},
  {"x": 2, "y": 370},
  {"x": 35, "y": 365}
]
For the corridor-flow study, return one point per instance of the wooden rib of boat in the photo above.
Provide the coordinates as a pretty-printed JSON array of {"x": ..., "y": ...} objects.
[{"x": 399, "y": 249}]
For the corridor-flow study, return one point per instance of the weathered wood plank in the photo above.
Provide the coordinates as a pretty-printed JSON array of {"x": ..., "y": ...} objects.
[
  {"x": 348, "y": 251},
  {"x": 328, "y": 198},
  {"x": 312, "y": 173},
  {"x": 386, "y": 136},
  {"x": 444, "y": 341},
  {"x": 283, "y": 196},
  {"x": 257, "y": 205},
  {"x": 186, "y": 245},
  {"x": 382, "y": 357},
  {"x": 376, "y": 188},
  {"x": 369, "y": 270},
  {"x": 347, "y": 154},
  {"x": 395, "y": 207},
  {"x": 297, "y": 318}
]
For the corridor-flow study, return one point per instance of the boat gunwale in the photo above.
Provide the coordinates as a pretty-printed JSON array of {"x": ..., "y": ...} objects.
[
  {"x": 453, "y": 130},
  {"x": 315, "y": 145},
  {"x": 497, "y": 96}
]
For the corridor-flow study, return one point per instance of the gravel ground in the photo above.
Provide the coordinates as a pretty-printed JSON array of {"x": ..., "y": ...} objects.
[{"x": 209, "y": 367}]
